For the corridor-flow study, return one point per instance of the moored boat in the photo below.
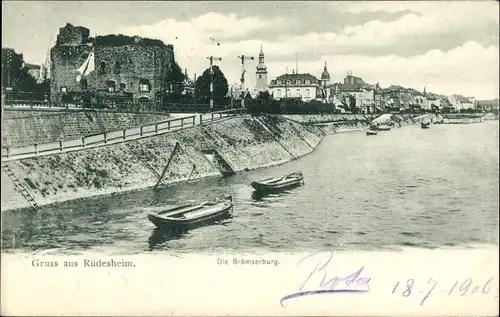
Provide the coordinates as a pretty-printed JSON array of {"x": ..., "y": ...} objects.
[
  {"x": 279, "y": 183},
  {"x": 383, "y": 128},
  {"x": 425, "y": 125},
  {"x": 371, "y": 132},
  {"x": 193, "y": 215}
]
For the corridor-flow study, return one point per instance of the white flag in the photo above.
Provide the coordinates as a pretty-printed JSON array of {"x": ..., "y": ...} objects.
[{"x": 87, "y": 67}]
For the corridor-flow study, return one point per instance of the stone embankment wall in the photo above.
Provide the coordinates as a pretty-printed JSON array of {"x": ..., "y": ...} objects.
[
  {"x": 22, "y": 128},
  {"x": 337, "y": 123},
  {"x": 246, "y": 142}
]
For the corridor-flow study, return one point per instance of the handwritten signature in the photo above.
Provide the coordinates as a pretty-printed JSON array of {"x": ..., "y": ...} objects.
[{"x": 352, "y": 283}]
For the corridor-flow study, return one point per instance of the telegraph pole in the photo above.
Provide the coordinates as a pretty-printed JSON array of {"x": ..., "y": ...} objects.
[
  {"x": 212, "y": 59},
  {"x": 286, "y": 79},
  {"x": 9, "y": 68},
  {"x": 194, "y": 90},
  {"x": 243, "y": 59}
]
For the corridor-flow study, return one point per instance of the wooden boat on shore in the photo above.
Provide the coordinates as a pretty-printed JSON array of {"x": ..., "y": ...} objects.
[
  {"x": 425, "y": 125},
  {"x": 383, "y": 128},
  {"x": 371, "y": 132},
  {"x": 193, "y": 215},
  {"x": 279, "y": 183}
]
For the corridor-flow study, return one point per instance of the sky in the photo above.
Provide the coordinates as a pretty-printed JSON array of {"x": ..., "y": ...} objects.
[{"x": 446, "y": 47}]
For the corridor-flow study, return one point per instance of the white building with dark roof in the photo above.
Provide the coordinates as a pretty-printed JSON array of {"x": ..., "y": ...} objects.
[
  {"x": 33, "y": 70},
  {"x": 460, "y": 102},
  {"x": 304, "y": 86}
]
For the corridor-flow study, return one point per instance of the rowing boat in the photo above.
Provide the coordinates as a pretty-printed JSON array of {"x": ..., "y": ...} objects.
[
  {"x": 425, "y": 125},
  {"x": 193, "y": 215},
  {"x": 279, "y": 183}
]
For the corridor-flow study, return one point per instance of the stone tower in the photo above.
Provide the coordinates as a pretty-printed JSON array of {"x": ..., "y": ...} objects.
[
  {"x": 261, "y": 73},
  {"x": 325, "y": 76}
]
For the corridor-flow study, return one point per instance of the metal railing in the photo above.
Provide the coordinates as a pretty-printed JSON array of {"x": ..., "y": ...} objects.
[
  {"x": 119, "y": 136},
  {"x": 136, "y": 107}
]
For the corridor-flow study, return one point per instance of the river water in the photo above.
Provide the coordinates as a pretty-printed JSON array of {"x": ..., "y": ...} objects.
[{"x": 407, "y": 187}]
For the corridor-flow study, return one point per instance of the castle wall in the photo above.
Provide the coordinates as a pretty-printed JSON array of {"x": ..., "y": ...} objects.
[
  {"x": 137, "y": 61},
  {"x": 73, "y": 35},
  {"x": 65, "y": 60}
]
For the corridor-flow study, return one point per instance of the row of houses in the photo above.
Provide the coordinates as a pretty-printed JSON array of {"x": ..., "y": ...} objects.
[
  {"x": 136, "y": 68},
  {"x": 355, "y": 94}
]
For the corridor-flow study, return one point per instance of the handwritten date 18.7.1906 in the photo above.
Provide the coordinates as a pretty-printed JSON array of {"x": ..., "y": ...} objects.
[{"x": 424, "y": 290}]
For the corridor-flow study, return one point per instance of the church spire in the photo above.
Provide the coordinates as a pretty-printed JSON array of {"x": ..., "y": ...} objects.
[
  {"x": 261, "y": 67},
  {"x": 325, "y": 75},
  {"x": 261, "y": 72}
]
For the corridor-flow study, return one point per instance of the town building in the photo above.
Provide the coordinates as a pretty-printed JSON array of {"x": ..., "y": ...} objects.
[
  {"x": 111, "y": 66},
  {"x": 325, "y": 92},
  {"x": 434, "y": 102},
  {"x": 188, "y": 84},
  {"x": 421, "y": 101},
  {"x": 378, "y": 98},
  {"x": 459, "y": 102},
  {"x": 353, "y": 80},
  {"x": 34, "y": 71},
  {"x": 261, "y": 73},
  {"x": 363, "y": 93},
  {"x": 303, "y": 86}
]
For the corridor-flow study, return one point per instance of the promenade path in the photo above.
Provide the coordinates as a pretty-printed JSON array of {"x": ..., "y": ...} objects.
[{"x": 176, "y": 122}]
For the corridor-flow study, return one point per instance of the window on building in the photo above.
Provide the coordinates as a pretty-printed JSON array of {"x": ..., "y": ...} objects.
[
  {"x": 288, "y": 81},
  {"x": 279, "y": 82},
  {"x": 64, "y": 89},
  {"x": 123, "y": 86},
  {"x": 131, "y": 84},
  {"x": 144, "y": 85},
  {"x": 298, "y": 92},
  {"x": 111, "y": 85},
  {"x": 299, "y": 82},
  {"x": 308, "y": 82},
  {"x": 278, "y": 93},
  {"x": 308, "y": 93},
  {"x": 260, "y": 76},
  {"x": 288, "y": 93},
  {"x": 118, "y": 68},
  {"x": 102, "y": 67},
  {"x": 84, "y": 84}
]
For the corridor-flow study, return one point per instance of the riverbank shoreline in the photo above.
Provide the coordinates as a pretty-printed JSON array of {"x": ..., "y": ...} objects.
[{"x": 247, "y": 143}]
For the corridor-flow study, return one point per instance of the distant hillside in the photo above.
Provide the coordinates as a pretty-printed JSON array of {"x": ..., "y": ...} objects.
[{"x": 488, "y": 102}]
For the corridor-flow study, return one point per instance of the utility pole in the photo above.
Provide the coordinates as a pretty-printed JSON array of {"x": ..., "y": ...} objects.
[
  {"x": 194, "y": 90},
  {"x": 231, "y": 97},
  {"x": 243, "y": 59},
  {"x": 286, "y": 80},
  {"x": 9, "y": 68},
  {"x": 212, "y": 59}
]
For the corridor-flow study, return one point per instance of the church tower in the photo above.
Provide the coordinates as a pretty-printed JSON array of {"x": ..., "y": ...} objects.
[
  {"x": 325, "y": 76},
  {"x": 261, "y": 73}
]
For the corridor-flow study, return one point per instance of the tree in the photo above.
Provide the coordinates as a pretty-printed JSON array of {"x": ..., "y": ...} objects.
[
  {"x": 175, "y": 79},
  {"x": 220, "y": 86},
  {"x": 14, "y": 74}
]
